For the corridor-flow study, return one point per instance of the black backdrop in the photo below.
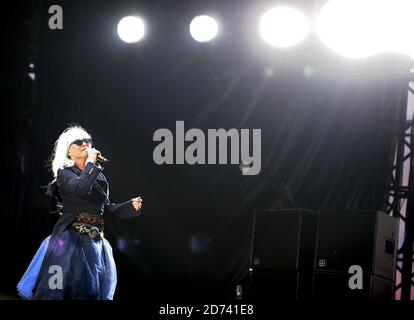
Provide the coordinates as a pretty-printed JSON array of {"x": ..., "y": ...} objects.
[{"x": 324, "y": 142}]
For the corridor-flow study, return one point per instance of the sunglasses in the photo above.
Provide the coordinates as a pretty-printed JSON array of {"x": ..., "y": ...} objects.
[{"x": 80, "y": 142}]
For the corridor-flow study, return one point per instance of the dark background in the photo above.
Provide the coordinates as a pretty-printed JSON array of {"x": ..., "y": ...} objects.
[{"x": 324, "y": 142}]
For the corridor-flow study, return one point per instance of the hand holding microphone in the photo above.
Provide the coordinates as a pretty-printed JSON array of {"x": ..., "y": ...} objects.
[{"x": 95, "y": 156}]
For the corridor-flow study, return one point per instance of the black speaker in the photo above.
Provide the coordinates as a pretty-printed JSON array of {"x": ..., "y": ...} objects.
[
  {"x": 335, "y": 286},
  {"x": 283, "y": 239},
  {"x": 364, "y": 238},
  {"x": 275, "y": 285},
  {"x": 282, "y": 254}
]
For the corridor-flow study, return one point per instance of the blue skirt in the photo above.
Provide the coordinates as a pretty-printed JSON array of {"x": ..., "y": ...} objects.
[{"x": 78, "y": 268}]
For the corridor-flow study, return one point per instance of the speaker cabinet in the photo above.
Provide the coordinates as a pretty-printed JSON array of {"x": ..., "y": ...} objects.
[
  {"x": 276, "y": 285},
  {"x": 364, "y": 238},
  {"x": 282, "y": 256},
  {"x": 283, "y": 239},
  {"x": 301, "y": 254},
  {"x": 335, "y": 286}
]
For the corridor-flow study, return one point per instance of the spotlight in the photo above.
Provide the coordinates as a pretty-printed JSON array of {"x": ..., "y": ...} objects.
[
  {"x": 362, "y": 28},
  {"x": 398, "y": 15},
  {"x": 283, "y": 26},
  {"x": 203, "y": 28},
  {"x": 351, "y": 28},
  {"x": 131, "y": 29}
]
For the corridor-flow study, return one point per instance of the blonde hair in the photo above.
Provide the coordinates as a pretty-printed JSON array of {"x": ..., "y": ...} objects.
[{"x": 59, "y": 157}]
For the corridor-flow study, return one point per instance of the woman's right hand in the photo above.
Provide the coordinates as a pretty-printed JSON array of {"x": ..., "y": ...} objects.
[{"x": 92, "y": 155}]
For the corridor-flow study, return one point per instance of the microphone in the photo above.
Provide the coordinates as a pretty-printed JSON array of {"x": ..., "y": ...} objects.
[{"x": 101, "y": 160}]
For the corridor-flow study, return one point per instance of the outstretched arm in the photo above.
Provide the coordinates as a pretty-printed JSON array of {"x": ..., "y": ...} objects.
[{"x": 125, "y": 210}]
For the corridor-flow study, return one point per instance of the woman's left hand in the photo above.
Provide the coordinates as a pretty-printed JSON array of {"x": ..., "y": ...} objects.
[{"x": 137, "y": 203}]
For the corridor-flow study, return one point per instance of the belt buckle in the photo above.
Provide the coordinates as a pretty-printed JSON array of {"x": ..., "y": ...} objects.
[{"x": 94, "y": 233}]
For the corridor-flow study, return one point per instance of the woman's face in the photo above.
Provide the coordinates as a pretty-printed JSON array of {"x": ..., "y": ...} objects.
[{"x": 78, "y": 148}]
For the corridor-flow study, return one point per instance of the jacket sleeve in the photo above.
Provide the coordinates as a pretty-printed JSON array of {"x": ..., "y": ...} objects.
[
  {"x": 69, "y": 181},
  {"x": 123, "y": 210}
]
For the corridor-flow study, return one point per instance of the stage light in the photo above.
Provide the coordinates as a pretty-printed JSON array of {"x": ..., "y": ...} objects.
[
  {"x": 362, "y": 28},
  {"x": 350, "y": 28},
  {"x": 131, "y": 29},
  {"x": 400, "y": 25},
  {"x": 203, "y": 28},
  {"x": 283, "y": 26}
]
